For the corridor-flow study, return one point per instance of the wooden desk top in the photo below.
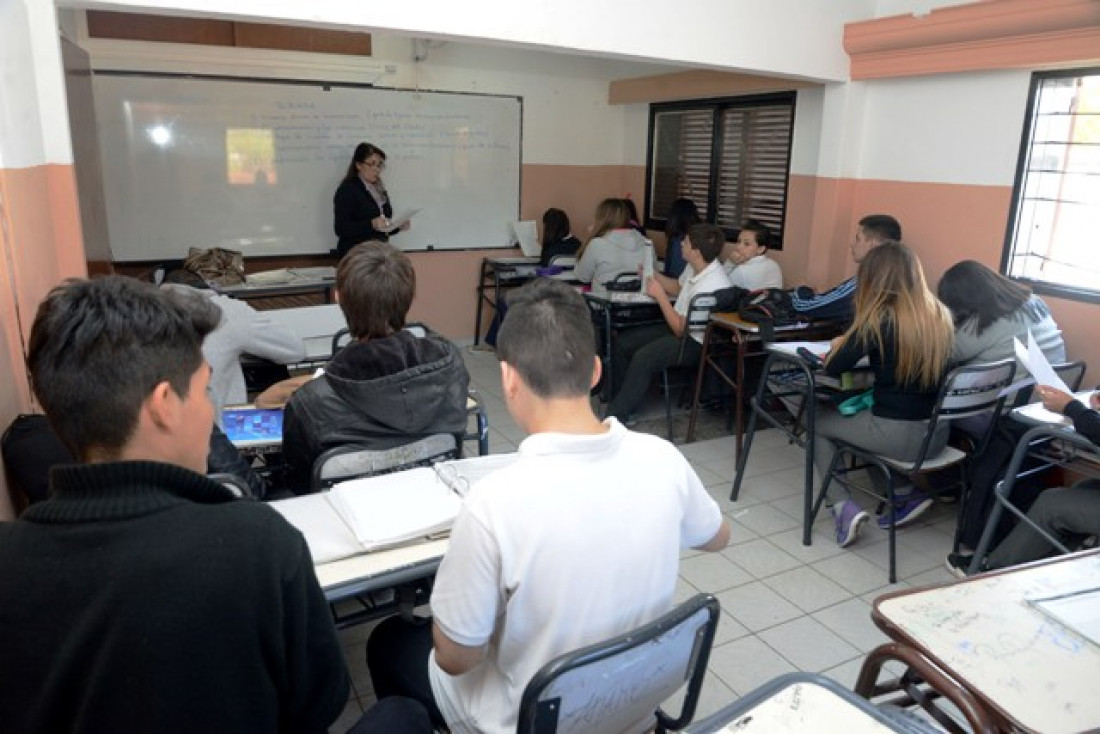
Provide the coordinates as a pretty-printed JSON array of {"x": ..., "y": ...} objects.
[{"x": 1023, "y": 665}]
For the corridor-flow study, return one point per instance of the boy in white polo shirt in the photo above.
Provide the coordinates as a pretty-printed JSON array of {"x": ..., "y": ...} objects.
[
  {"x": 747, "y": 262},
  {"x": 577, "y": 541},
  {"x": 642, "y": 352}
]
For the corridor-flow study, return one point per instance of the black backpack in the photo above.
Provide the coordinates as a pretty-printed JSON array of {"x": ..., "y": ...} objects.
[{"x": 768, "y": 304}]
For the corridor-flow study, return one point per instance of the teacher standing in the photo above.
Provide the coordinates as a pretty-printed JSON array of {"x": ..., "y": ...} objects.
[{"x": 361, "y": 206}]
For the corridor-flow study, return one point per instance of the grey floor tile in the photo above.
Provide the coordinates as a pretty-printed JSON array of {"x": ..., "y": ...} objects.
[
  {"x": 764, "y": 519},
  {"x": 822, "y": 546},
  {"x": 683, "y": 591},
  {"x": 713, "y": 572},
  {"x": 808, "y": 645},
  {"x": 851, "y": 620},
  {"x": 768, "y": 488},
  {"x": 712, "y": 697},
  {"x": 807, "y": 589},
  {"x": 747, "y": 663},
  {"x": 757, "y": 607},
  {"x": 853, "y": 572},
  {"x": 761, "y": 558},
  {"x": 846, "y": 673},
  {"x": 728, "y": 629}
]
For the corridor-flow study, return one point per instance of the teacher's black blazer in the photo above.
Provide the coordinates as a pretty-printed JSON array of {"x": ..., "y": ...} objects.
[{"x": 353, "y": 209}]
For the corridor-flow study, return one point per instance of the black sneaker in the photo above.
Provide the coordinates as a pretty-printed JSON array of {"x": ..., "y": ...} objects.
[{"x": 958, "y": 564}]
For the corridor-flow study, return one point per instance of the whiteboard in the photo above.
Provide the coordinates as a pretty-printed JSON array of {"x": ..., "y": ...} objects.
[{"x": 253, "y": 165}]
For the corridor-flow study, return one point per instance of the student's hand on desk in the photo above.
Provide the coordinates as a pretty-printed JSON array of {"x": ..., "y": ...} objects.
[
  {"x": 1094, "y": 400},
  {"x": 1054, "y": 399}
]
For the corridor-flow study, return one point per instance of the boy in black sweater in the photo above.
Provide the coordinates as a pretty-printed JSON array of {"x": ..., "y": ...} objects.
[{"x": 142, "y": 596}]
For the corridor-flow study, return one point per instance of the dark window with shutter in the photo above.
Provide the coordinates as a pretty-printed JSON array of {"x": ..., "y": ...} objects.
[{"x": 731, "y": 157}]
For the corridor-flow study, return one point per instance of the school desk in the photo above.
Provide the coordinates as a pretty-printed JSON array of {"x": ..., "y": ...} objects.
[
  {"x": 1029, "y": 671},
  {"x": 799, "y": 702}
]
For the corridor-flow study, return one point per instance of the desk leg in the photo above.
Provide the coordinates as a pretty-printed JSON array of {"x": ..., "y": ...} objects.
[
  {"x": 480, "y": 301},
  {"x": 739, "y": 396}
]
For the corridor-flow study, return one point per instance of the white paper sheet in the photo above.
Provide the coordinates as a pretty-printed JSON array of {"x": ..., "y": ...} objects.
[
  {"x": 1036, "y": 363},
  {"x": 527, "y": 235},
  {"x": 402, "y": 218}
]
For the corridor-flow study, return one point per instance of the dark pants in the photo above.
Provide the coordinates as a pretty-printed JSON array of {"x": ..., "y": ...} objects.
[
  {"x": 986, "y": 470},
  {"x": 397, "y": 658},
  {"x": 1070, "y": 515},
  {"x": 640, "y": 354},
  {"x": 394, "y": 715}
]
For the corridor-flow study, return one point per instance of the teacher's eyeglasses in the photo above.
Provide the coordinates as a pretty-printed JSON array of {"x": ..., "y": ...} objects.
[{"x": 380, "y": 165}]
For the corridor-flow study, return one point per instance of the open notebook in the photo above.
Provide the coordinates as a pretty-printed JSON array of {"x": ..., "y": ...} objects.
[{"x": 363, "y": 515}]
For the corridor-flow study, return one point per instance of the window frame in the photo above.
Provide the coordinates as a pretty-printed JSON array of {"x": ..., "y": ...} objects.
[
  {"x": 718, "y": 106},
  {"x": 1042, "y": 287}
]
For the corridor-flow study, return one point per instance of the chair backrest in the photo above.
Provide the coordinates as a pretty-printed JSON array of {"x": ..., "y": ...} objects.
[
  {"x": 700, "y": 307},
  {"x": 619, "y": 684},
  {"x": 627, "y": 281},
  {"x": 970, "y": 390},
  {"x": 237, "y": 486},
  {"x": 352, "y": 462},
  {"x": 1072, "y": 373},
  {"x": 974, "y": 388},
  {"x": 341, "y": 338}
]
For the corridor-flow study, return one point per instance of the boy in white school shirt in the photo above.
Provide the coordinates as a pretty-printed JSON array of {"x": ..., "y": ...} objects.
[
  {"x": 642, "y": 352},
  {"x": 577, "y": 541},
  {"x": 747, "y": 262}
]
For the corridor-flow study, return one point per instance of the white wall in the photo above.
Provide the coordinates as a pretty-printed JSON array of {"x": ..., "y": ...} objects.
[
  {"x": 951, "y": 128},
  {"x": 799, "y": 38},
  {"x": 34, "y": 125}
]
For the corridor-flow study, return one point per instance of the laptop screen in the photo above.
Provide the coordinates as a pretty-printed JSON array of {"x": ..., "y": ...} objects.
[{"x": 250, "y": 427}]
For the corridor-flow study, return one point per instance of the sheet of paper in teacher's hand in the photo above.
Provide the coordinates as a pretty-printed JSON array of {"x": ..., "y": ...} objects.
[
  {"x": 402, "y": 218},
  {"x": 1036, "y": 363}
]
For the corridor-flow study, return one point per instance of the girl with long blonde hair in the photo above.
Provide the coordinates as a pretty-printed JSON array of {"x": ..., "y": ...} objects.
[
  {"x": 613, "y": 247},
  {"x": 907, "y": 335}
]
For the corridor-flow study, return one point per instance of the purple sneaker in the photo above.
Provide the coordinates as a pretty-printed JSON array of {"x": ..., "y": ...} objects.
[
  {"x": 909, "y": 508},
  {"x": 850, "y": 519}
]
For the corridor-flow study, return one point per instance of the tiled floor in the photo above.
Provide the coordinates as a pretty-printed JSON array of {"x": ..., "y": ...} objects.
[{"x": 785, "y": 606}]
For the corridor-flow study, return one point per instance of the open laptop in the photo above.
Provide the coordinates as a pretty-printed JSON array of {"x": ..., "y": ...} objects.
[{"x": 249, "y": 427}]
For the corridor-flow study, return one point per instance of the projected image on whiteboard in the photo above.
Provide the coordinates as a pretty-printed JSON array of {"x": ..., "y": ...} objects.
[{"x": 250, "y": 156}]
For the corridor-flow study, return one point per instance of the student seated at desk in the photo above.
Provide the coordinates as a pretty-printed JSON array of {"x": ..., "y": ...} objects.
[
  {"x": 746, "y": 260},
  {"x": 873, "y": 230},
  {"x": 141, "y": 596},
  {"x": 577, "y": 541},
  {"x": 614, "y": 247},
  {"x": 642, "y": 352},
  {"x": 557, "y": 239},
  {"x": 1068, "y": 514},
  {"x": 682, "y": 215},
  {"x": 387, "y": 387},
  {"x": 991, "y": 311},
  {"x": 906, "y": 334},
  {"x": 242, "y": 330}
]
